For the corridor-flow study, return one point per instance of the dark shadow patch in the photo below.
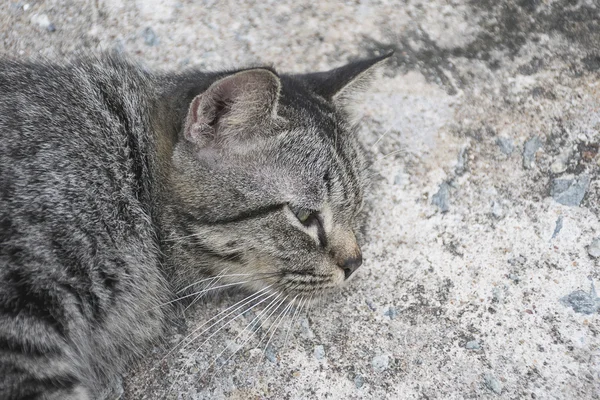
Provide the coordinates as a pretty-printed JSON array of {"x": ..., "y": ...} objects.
[
  {"x": 506, "y": 26},
  {"x": 428, "y": 58},
  {"x": 591, "y": 62}
]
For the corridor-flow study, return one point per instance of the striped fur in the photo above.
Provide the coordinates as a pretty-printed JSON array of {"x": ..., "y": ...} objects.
[{"x": 108, "y": 209}]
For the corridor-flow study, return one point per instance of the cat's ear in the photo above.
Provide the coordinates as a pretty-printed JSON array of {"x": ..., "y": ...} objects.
[
  {"x": 233, "y": 107},
  {"x": 339, "y": 84}
]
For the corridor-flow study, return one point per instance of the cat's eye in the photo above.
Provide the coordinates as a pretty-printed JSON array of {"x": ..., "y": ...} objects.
[{"x": 304, "y": 215}]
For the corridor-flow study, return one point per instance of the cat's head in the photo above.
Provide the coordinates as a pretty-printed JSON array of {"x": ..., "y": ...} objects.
[{"x": 269, "y": 180}]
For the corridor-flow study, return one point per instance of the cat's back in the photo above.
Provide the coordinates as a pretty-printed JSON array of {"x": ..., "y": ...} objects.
[
  {"x": 73, "y": 141},
  {"x": 77, "y": 241}
]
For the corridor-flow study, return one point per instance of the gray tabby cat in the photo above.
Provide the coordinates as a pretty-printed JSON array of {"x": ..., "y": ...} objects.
[{"x": 120, "y": 188}]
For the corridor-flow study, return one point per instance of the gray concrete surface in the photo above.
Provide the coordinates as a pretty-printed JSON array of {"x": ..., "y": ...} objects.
[{"x": 482, "y": 243}]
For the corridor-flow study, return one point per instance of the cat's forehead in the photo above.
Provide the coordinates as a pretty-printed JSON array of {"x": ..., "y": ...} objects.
[{"x": 300, "y": 104}]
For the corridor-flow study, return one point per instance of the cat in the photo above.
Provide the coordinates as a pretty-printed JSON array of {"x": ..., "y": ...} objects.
[{"x": 123, "y": 189}]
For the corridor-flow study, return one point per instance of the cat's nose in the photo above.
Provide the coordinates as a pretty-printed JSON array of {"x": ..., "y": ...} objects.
[{"x": 349, "y": 265}]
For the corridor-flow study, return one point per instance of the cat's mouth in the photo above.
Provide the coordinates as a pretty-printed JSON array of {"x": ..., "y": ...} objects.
[{"x": 298, "y": 283}]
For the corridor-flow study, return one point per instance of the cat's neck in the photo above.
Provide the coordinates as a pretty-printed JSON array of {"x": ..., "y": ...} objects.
[{"x": 167, "y": 118}]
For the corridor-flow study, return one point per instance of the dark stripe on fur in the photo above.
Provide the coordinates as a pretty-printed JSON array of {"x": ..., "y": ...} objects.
[
  {"x": 249, "y": 214},
  {"x": 34, "y": 388}
]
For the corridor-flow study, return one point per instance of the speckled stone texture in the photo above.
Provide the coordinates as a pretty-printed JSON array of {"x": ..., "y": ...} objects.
[{"x": 482, "y": 240}]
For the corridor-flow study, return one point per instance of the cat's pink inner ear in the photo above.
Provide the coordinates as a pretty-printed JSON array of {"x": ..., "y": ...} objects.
[{"x": 233, "y": 106}]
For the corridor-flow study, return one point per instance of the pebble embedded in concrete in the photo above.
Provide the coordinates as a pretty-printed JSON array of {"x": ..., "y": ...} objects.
[
  {"x": 391, "y": 312},
  {"x": 461, "y": 164},
  {"x": 498, "y": 294},
  {"x": 270, "y": 354},
  {"x": 506, "y": 145},
  {"x": 569, "y": 190},
  {"x": 561, "y": 162},
  {"x": 497, "y": 210},
  {"x": 492, "y": 383},
  {"x": 582, "y": 302},
  {"x": 150, "y": 37},
  {"x": 43, "y": 22},
  {"x": 319, "y": 352},
  {"x": 531, "y": 147},
  {"x": 370, "y": 304},
  {"x": 380, "y": 363},
  {"x": 473, "y": 345},
  {"x": 305, "y": 330},
  {"x": 359, "y": 381},
  {"x": 594, "y": 248},
  {"x": 558, "y": 226},
  {"x": 440, "y": 199}
]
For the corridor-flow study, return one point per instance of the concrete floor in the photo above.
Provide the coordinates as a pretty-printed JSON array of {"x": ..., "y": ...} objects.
[{"x": 483, "y": 239}]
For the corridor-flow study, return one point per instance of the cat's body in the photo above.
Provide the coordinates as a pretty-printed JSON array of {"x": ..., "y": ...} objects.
[
  {"x": 120, "y": 187},
  {"x": 79, "y": 250}
]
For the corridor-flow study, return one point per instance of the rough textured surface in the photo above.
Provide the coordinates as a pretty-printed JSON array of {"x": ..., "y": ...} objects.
[{"x": 491, "y": 298}]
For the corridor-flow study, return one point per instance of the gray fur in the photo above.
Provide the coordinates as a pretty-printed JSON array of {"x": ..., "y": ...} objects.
[{"x": 120, "y": 188}]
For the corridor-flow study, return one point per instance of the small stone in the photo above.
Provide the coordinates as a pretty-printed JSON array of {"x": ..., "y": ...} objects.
[
  {"x": 150, "y": 37},
  {"x": 319, "y": 352},
  {"x": 497, "y": 210},
  {"x": 518, "y": 260},
  {"x": 371, "y": 305},
  {"x": 118, "y": 47},
  {"x": 380, "y": 363},
  {"x": 569, "y": 191},
  {"x": 498, "y": 295},
  {"x": 558, "y": 166},
  {"x": 26, "y": 7},
  {"x": 440, "y": 199},
  {"x": 391, "y": 312},
  {"x": 558, "y": 226},
  {"x": 473, "y": 345},
  {"x": 594, "y": 248},
  {"x": 506, "y": 145},
  {"x": 461, "y": 164},
  {"x": 514, "y": 278},
  {"x": 305, "y": 330},
  {"x": 270, "y": 354},
  {"x": 582, "y": 302},
  {"x": 359, "y": 381},
  {"x": 43, "y": 22},
  {"x": 492, "y": 383},
  {"x": 562, "y": 161},
  {"x": 531, "y": 147}
]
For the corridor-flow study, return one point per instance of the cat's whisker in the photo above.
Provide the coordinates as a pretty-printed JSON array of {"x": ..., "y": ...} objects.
[
  {"x": 196, "y": 293},
  {"x": 271, "y": 304},
  {"x": 280, "y": 318},
  {"x": 208, "y": 279},
  {"x": 291, "y": 324},
  {"x": 381, "y": 137},
  {"x": 203, "y": 292},
  {"x": 228, "y": 310},
  {"x": 268, "y": 330},
  {"x": 186, "y": 340},
  {"x": 246, "y": 340},
  {"x": 191, "y": 356},
  {"x": 257, "y": 275},
  {"x": 236, "y": 317},
  {"x": 310, "y": 303},
  {"x": 391, "y": 153},
  {"x": 375, "y": 162}
]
